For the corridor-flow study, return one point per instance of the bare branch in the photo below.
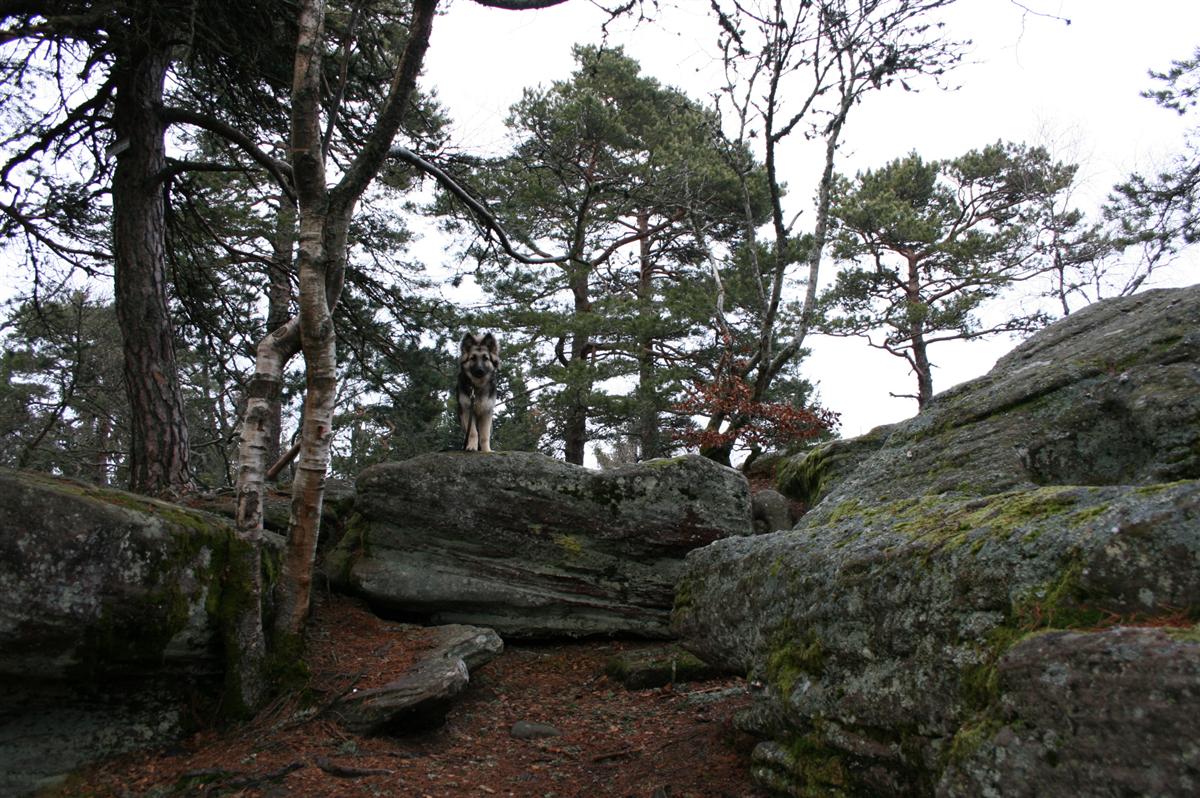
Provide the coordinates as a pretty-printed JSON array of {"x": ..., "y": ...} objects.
[
  {"x": 282, "y": 172},
  {"x": 477, "y": 208}
]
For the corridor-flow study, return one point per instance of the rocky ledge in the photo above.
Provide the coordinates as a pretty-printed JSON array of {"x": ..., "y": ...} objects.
[
  {"x": 996, "y": 597},
  {"x": 533, "y": 547}
]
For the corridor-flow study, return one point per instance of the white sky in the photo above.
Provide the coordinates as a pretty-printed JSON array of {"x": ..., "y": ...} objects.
[{"x": 1075, "y": 88}]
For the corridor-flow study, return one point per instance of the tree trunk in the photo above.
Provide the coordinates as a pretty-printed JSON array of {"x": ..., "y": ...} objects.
[
  {"x": 254, "y": 458},
  {"x": 718, "y": 454},
  {"x": 916, "y": 332},
  {"x": 319, "y": 345},
  {"x": 159, "y": 437},
  {"x": 578, "y": 383},
  {"x": 647, "y": 390},
  {"x": 100, "y": 465},
  {"x": 279, "y": 305}
]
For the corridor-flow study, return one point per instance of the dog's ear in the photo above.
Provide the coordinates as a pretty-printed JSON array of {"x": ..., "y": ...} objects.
[
  {"x": 469, "y": 340},
  {"x": 491, "y": 343}
]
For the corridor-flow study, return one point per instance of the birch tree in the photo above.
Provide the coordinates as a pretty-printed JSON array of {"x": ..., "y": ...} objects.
[{"x": 324, "y": 213}]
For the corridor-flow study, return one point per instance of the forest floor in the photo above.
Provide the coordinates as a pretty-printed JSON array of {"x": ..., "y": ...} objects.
[{"x": 672, "y": 742}]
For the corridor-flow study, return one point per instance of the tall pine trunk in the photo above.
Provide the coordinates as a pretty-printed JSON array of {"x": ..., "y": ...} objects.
[
  {"x": 579, "y": 383},
  {"x": 916, "y": 331},
  {"x": 649, "y": 435},
  {"x": 158, "y": 454}
]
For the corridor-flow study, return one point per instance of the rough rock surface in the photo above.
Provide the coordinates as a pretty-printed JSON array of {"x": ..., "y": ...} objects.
[
  {"x": 1116, "y": 686},
  {"x": 420, "y": 698},
  {"x": 898, "y": 627},
  {"x": 772, "y": 512},
  {"x": 533, "y": 547},
  {"x": 95, "y": 580},
  {"x": 644, "y": 669},
  {"x": 110, "y": 608},
  {"x": 48, "y": 729}
]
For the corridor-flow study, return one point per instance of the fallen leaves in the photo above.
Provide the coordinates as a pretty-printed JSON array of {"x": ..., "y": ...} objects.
[{"x": 613, "y": 742}]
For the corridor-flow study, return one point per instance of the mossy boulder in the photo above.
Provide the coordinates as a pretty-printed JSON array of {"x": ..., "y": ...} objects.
[
  {"x": 809, "y": 476},
  {"x": 973, "y": 593},
  {"x": 641, "y": 669},
  {"x": 97, "y": 581},
  {"x": 531, "y": 546},
  {"x": 112, "y": 611}
]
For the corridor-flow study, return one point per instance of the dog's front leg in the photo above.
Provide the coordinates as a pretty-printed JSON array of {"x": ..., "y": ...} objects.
[
  {"x": 466, "y": 419},
  {"x": 483, "y": 422}
]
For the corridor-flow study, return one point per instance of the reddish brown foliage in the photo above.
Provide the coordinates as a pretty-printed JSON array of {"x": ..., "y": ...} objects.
[{"x": 767, "y": 424}]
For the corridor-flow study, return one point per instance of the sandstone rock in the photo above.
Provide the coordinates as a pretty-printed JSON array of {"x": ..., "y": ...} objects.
[
  {"x": 1075, "y": 708},
  {"x": 110, "y": 614},
  {"x": 532, "y": 730},
  {"x": 531, "y": 546},
  {"x": 771, "y": 512},
  {"x": 892, "y": 627},
  {"x": 421, "y": 698},
  {"x": 416, "y": 701},
  {"x": 1107, "y": 396},
  {"x": 808, "y": 477},
  {"x": 96, "y": 581},
  {"x": 657, "y": 667},
  {"x": 48, "y": 729}
]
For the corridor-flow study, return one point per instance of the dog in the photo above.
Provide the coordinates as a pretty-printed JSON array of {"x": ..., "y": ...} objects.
[{"x": 478, "y": 364}]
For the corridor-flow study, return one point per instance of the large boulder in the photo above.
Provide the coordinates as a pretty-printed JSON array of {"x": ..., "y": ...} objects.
[
  {"x": 533, "y": 547},
  {"x": 961, "y": 612},
  {"x": 111, "y": 609},
  {"x": 96, "y": 581}
]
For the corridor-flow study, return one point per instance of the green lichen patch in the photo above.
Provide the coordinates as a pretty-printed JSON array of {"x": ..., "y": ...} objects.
[
  {"x": 641, "y": 670},
  {"x": 792, "y": 657},
  {"x": 570, "y": 545},
  {"x": 803, "y": 766}
]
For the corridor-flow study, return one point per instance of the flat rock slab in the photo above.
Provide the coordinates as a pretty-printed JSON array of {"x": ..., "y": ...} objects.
[
  {"x": 533, "y": 547},
  {"x": 532, "y": 730},
  {"x": 657, "y": 667},
  {"x": 420, "y": 699}
]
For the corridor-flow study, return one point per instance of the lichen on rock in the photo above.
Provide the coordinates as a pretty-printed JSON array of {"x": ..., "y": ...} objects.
[{"x": 1046, "y": 510}]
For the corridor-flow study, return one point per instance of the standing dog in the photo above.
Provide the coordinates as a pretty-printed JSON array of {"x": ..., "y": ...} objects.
[{"x": 477, "y": 364}]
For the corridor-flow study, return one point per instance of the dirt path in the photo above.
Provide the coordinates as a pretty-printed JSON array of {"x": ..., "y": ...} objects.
[{"x": 661, "y": 743}]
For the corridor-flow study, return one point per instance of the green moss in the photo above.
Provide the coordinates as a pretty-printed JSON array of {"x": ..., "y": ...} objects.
[
  {"x": 792, "y": 657},
  {"x": 804, "y": 478},
  {"x": 817, "y": 769},
  {"x": 643, "y": 670},
  {"x": 1081, "y": 517},
  {"x": 1190, "y": 634},
  {"x": 952, "y": 522},
  {"x": 570, "y": 545},
  {"x": 662, "y": 462},
  {"x": 286, "y": 670},
  {"x": 845, "y": 509},
  {"x": 683, "y": 597},
  {"x": 969, "y": 737}
]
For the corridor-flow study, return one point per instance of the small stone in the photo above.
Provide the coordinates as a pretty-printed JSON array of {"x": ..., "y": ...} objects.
[{"x": 531, "y": 730}]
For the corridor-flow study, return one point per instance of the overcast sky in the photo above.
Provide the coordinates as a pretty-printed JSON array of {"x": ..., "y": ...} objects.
[{"x": 1029, "y": 78}]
